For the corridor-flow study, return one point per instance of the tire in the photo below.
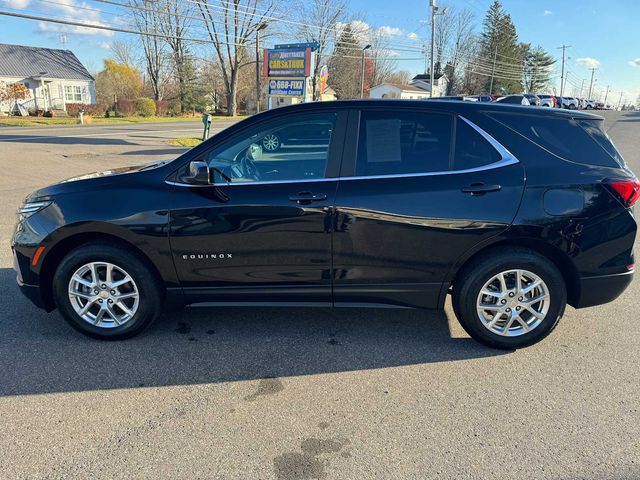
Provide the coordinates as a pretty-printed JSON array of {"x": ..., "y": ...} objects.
[
  {"x": 141, "y": 295},
  {"x": 588, "y": 107},
  {"x": 271, "y": 142},
  {"x": 475, "y": 276}
]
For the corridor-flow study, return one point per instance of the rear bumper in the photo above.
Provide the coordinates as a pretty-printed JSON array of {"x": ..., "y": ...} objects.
[{"x": 602, "y": 289}]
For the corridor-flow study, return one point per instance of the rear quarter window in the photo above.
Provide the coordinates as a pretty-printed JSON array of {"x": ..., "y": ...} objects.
[{"x": 581, "y": 141}]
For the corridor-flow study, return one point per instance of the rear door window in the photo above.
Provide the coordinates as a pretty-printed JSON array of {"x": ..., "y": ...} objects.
[
  {"x": 403, "y": 142},
  {"x": 580, "y": 141},
  {"x": 471, "y": 149}
]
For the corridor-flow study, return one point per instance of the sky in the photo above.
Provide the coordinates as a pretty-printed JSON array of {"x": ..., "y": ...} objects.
[{"x": 600, "y": 33}]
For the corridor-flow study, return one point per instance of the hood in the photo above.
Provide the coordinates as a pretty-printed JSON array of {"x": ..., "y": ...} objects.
[{"x": 92, "y": 180}]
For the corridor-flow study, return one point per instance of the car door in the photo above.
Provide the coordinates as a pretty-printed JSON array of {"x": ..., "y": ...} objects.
[
  {"x": 418, "y": 188},
  {"x": 262, "y": 231}
]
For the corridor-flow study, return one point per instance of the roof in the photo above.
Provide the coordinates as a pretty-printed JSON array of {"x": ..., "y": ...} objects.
[
  {"x": 427, "y": 76},
  {"x": 21, "y": 61},
  {"x": 405, "y": 88}
]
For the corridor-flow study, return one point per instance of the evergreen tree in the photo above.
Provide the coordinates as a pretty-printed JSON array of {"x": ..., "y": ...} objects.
[
  {"x": 345, "y": 67},
  {"x": 537, "y": 68},
  {"x": 499, "y": 40}
]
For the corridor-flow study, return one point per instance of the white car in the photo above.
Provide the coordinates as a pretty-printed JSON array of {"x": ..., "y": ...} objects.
[
  {"x": 547, "y": 100},
  {"x": 569, "y": 102},
  {"x": 588, "y": 104}
]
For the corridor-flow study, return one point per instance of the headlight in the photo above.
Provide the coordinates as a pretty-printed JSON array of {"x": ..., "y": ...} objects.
[{"x": 30, "y": 208}]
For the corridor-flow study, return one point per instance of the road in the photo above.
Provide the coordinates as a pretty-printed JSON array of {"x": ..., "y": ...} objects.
[{"x": 239, "y": 393}]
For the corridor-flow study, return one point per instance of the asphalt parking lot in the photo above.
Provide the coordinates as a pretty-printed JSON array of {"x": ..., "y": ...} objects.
[{"x": 245, "y": 393}]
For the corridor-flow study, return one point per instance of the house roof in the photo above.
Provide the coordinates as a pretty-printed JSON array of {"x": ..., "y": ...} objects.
[
  {"x": 405, "y": 88},
  {"x": 21, "y": 61},
  {"x": 427, "y": 76}
]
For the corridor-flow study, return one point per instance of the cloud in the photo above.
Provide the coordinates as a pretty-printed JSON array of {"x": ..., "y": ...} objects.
[
  {"x": 547, "y": 13},
  {"x": 105, "y": 45},
  {"x": 412, "y": 36},
  {"x": 387, "y": 30},
  {"x": 72, "y": 11},
  {"x": 634, "y": 63},
  {"x": 19, "y": 4},
  {"x": 588, "y": 62}
]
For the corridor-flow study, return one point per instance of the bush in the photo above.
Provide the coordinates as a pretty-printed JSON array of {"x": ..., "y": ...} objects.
[
  {"x": 126, "y": 107},
  {"x": 73, "y": 109},
  {"x": 145, "y": 107},
  {"x": 162, "y": 108},
  {"x": 175, "y": 108}
]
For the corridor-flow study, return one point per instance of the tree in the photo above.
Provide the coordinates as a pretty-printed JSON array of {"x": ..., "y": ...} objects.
[
  {"x": 500, "y": 56},
  {"x": 401, "y": 77},
  {"x": 13, "y": 92},
  {"x": 345, "y": 65},
  {"x": 537, "y": 68},
  {"x": 117, "y": 81},
  {"x": 148, "y": 19},
  {"x": 231, "y": 31},
  {"x": 463, "y": 41},
  {"x": 175, "y": 21},
  {"x": 382, "y": 63},
  {"x": 318, "y": 21},
  {"x": 124, "y": 51}
]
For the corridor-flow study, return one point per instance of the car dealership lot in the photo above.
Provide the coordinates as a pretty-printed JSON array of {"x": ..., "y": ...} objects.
[{"x": 301, "y": 393}]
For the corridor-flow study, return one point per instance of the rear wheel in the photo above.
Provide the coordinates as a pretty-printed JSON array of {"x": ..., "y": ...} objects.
[
  {"x": 271, "y": 142},
  {"x": 510, "y": 299},
  {"x": 106, "y": 292}
]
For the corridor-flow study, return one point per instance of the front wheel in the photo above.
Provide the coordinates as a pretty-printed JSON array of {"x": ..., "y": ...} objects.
[
  {"x": 509, "y": 299},
  {"x": 106, "y": 292}
]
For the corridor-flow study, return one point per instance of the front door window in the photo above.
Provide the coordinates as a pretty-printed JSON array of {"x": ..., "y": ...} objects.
[{"x": 295, "y": 149}]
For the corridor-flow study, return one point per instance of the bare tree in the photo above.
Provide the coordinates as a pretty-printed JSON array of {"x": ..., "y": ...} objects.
[
  {"x": 174, "y": 21},
  {"x": 401, "y": 77},
  {"x": 462, "y": 46},
  {"x": 147, "y": 19},
  {"x": 383, "y": 63},
  {"x": 319, "y": 20},
  {"x": 231, "y": 31},
  {"x": 123, "y": 51}
]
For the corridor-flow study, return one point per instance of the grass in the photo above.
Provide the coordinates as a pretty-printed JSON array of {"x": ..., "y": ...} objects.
[
  {"x": 185, "y": 142},
  {"x": 39, "y": 121}
]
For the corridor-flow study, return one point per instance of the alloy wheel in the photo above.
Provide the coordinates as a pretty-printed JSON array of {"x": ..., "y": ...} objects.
[
  {"x": 103, "y": 294},
  {"x": 513, "y": 303},
  {"x": 271, "y": 142}
]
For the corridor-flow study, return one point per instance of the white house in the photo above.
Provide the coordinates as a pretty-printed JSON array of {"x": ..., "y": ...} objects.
[
  {"x": 423, "y": 81},
  {"x": 54, "y": 77},
  {"x": 419, "y": 87},
  {"x": 392, "y": 90}
]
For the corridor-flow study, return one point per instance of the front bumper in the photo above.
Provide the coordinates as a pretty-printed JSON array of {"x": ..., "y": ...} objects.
[{"x": 602, "y": 289}]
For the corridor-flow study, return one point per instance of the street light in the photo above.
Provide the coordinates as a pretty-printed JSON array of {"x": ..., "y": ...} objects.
[
  {"x": 260, "y": 27},
  {"x": 362, "y": 77}
]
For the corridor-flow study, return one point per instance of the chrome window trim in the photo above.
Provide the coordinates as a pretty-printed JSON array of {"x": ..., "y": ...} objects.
[{"x": 507, "y": 159}]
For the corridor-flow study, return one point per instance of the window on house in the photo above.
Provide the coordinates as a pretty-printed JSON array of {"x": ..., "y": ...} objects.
[{"x": 73, "y": 93}]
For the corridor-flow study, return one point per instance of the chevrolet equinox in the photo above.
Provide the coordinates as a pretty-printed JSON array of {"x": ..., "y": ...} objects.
[{"x": 513, "y": 211}]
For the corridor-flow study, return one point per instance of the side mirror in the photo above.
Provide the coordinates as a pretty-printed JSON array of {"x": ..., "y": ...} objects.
[{"x": 199, "y": 173}]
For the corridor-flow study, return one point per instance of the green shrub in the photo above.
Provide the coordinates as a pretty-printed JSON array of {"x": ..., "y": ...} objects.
[
  {"x": 175, "y": 109},
  {"x": 145, "y": 107}
]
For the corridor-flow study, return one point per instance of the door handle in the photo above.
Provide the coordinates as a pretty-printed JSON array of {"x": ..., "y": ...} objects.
[
  {"x": 308, "y": 197},
  {"x": 480, "y": 188}
]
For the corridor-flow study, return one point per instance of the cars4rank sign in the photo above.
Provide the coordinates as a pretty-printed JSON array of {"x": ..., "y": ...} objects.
[
  {"x": 288, "y": 62},
  {"x": 281, "y": 87}
]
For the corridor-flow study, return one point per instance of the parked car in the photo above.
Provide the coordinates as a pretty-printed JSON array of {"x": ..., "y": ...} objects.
[
  {"x": 589, "y": 104},
  {"x": 483, "y": 98},
  {"x": 568, "y": 102},
  {"x": 404, "y": 203},
  {"x": 548, "y": 100},
  {"x": 514, "y": 99},
  {"x": 305, "y": 133},
  {"x": 533, "y": 99},
  {"x": 461, "y": 98}
]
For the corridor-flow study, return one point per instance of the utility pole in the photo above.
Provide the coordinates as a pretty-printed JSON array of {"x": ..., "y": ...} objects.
[
  {"x": 620, "y": 100},
  {"x": 493, "y": 70},
  {"x": 593, "y": 70},
  {"x": 564, "y": 48},
  {"x": 262, "y": 26},
  {"x": 606, "y": 95},
  {"x": 362, "y": 77},
  {"x": 434, "y": 12},
  {"x": 582, "y": 86}
]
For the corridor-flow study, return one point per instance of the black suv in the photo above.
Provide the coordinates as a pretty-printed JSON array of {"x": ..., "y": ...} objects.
[{"x": 513, "y": 211}]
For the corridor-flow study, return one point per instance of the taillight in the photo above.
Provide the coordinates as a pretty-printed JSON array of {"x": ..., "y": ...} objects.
[{"x": 628, "y": 190}]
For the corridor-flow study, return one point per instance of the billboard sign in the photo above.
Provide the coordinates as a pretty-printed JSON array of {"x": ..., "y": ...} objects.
[
  {"x": 286, "y": 87},
  {"x": 287, "y": 62}
]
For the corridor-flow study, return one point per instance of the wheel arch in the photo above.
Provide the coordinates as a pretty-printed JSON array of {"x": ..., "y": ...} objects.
[
  {"x": 59, "y": 250},
  {"x": 559, "y": 258}
]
